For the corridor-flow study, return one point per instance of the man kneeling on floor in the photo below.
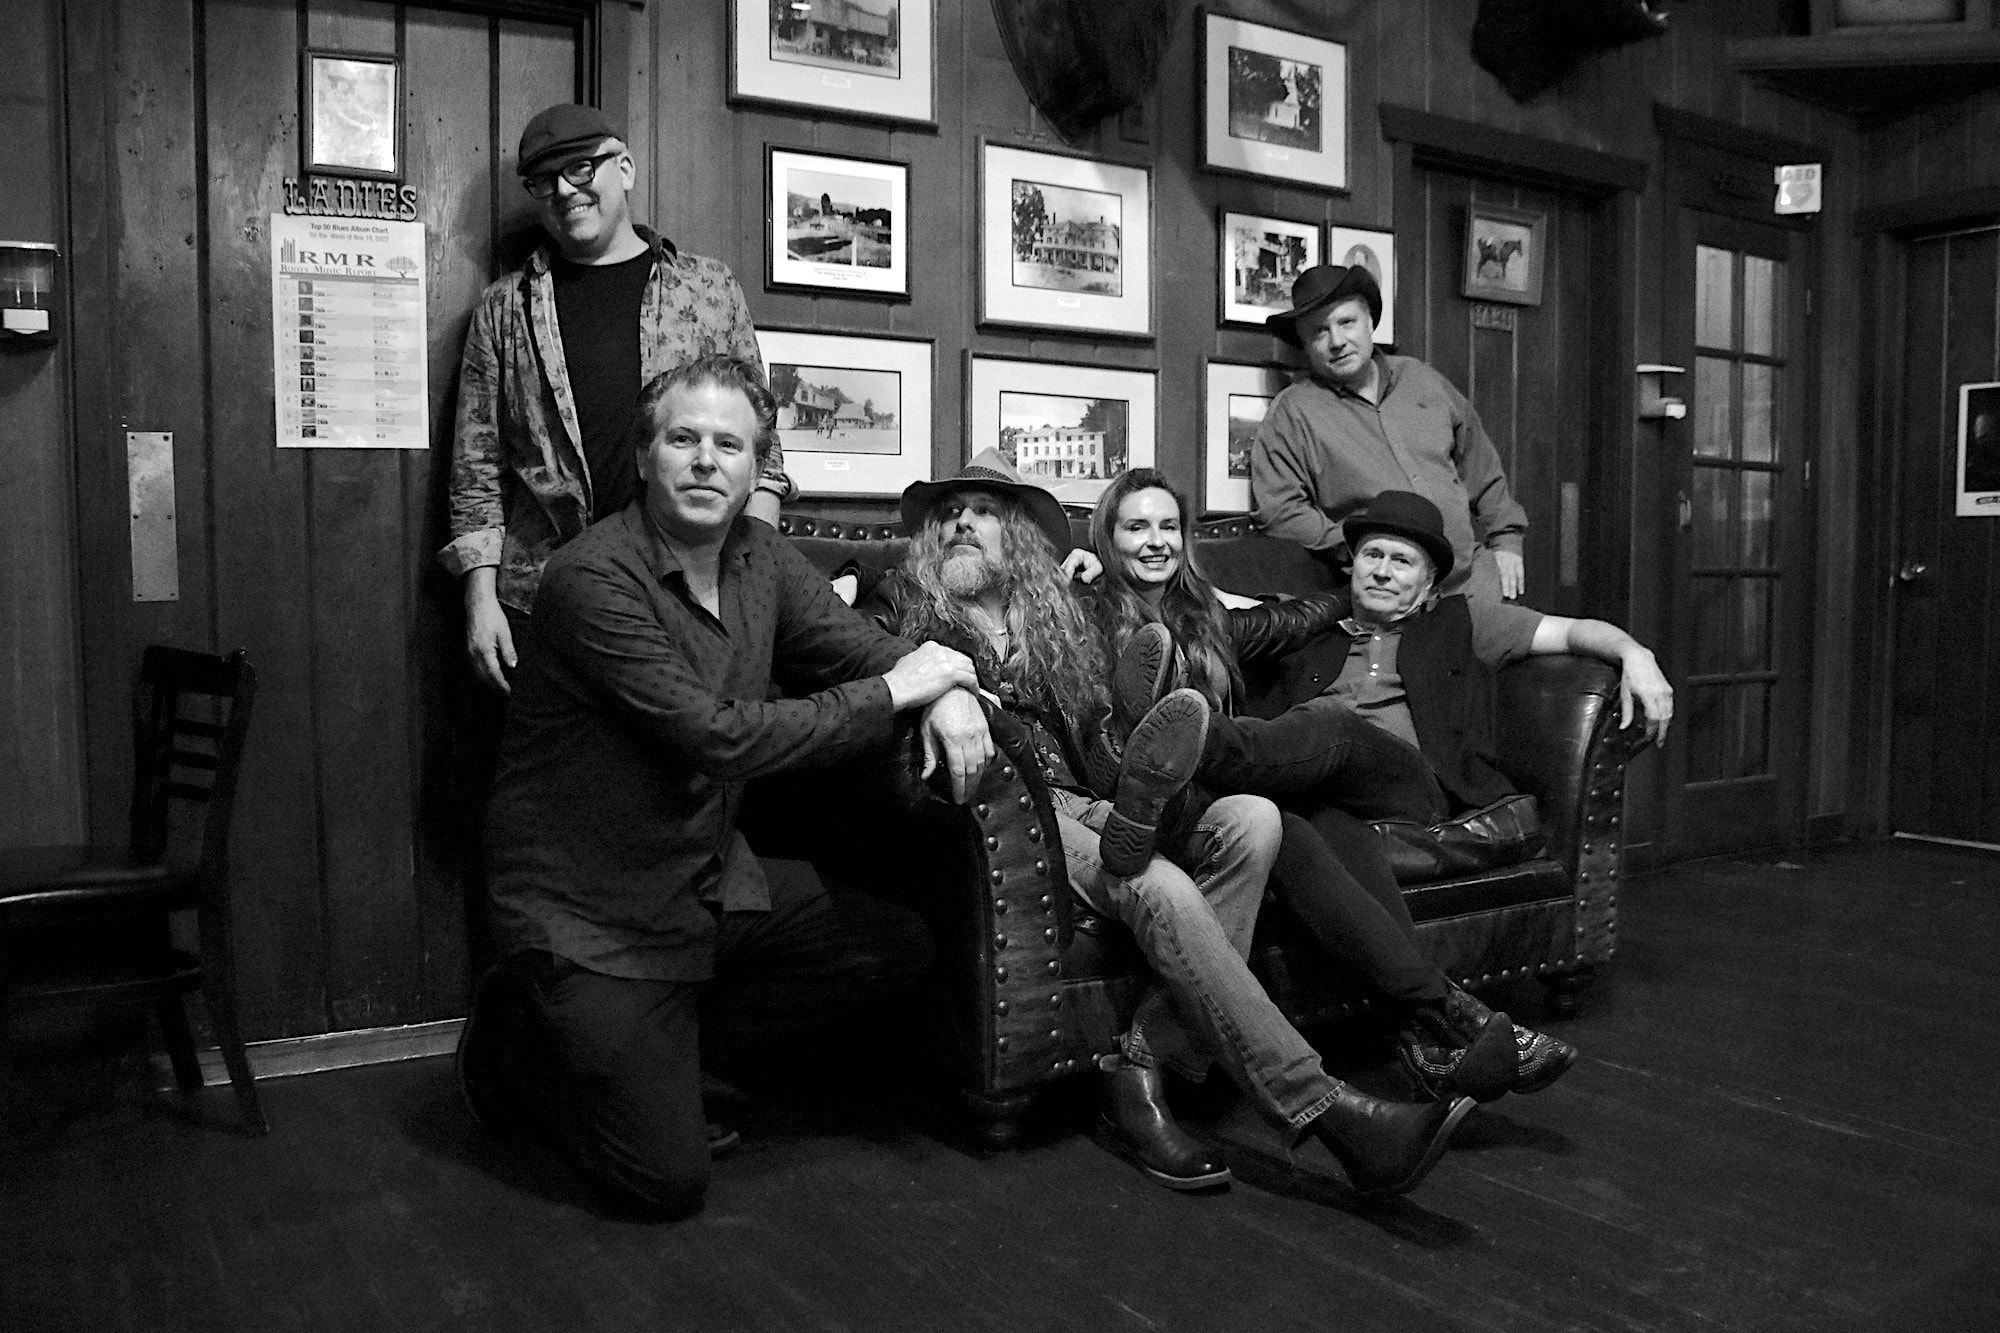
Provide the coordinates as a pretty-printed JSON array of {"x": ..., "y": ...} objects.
[
  {"x": 637, "y": 929},
  {"x": 982, "y": 574}
]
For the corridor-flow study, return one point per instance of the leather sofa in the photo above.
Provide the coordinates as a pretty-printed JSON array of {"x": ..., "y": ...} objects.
[{"x": 1032, "y": 989}]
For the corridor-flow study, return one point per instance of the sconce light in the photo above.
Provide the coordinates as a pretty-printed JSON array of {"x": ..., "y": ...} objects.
[
  {"x": 1653, "y": 404},
  {"x": 27, "y": 291}
]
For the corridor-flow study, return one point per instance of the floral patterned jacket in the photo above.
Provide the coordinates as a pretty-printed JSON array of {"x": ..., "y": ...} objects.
[{"x": 519, "y": 484}]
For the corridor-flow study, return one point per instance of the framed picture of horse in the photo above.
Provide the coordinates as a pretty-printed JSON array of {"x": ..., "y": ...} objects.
[{"x": 1503, "y": 254}]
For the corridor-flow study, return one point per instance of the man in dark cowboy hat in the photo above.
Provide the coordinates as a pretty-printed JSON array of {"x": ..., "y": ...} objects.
[{"x": 1363, "y": 422}]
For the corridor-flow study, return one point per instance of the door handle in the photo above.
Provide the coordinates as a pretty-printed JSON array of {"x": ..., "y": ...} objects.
[
  {"x": 1686, "y": 511},
  {"x": 1911, "y": 571}
]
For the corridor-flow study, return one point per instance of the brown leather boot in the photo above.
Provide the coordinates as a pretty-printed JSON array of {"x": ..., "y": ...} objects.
[
  {"x": 1387, "y": 1147},
  {"x": 1134, "y": 1122},
  {"x": 1539, "y": 1059},
  {"x": 1448, "y": 1051}
]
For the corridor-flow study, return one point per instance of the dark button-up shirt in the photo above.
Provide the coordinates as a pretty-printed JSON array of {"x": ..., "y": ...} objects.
[
  {"x": 636, "y": 719},
  {"x": 1372, "y": 685}
]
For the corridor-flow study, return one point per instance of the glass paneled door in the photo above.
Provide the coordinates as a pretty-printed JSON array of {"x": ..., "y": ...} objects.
[{"x": 1737, "y": 604}]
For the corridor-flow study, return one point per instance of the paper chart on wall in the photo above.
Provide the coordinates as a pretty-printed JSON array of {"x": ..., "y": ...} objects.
[{"x": 349, "y": 352}]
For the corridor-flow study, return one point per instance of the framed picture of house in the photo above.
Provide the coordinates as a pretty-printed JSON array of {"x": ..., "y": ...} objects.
[
  {"x": 837, "y": 224},
  {"x": 1274, "y": 103},
  {"x": 352, "y": 120},
  {"x": 1235, "y": 398},
  {"x": 1065, "y": 243},
  {"x": 1071, "y": 428},
  {"x": 862, "y": 59},
  {"x": 854, "y": 410},
  {"x": 1261, "y": 259},
  {"x": 1503, "y": 254},
  {"x": 1376, "y": 252}
]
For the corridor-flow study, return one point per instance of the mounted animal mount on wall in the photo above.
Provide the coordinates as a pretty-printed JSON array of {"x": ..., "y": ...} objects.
[
  {"x": 1530, "y": 44},
  {"x": 1083, "y": 60}
]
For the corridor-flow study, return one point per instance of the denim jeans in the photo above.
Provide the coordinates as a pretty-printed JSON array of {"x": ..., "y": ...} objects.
[
  {"x": 1324, "y": 750},
  {"x": 1195, "y": 932}
]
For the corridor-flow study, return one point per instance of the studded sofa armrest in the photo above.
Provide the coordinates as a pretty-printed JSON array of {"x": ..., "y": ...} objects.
[{"x": 1559, "y": 739}]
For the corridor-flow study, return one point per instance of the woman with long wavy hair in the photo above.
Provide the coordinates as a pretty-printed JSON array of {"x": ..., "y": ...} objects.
[{"x": 1333, "y": 771}]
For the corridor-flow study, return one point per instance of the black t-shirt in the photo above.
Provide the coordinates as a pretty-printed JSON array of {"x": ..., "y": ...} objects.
[{"x": 597, "y": 310}]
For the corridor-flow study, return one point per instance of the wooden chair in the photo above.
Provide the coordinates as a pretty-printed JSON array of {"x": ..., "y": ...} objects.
[{"x": 90, "y": 925}]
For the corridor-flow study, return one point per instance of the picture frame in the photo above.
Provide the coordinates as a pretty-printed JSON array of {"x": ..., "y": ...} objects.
[
  {"x": 351, "y": 114},
  {"x": 1376, "y": 251},
  {"x": 1065, "y": 243},
  {"x": 854, "y": 410},
  {"x": 1274, "y": 103},
  {"x": 1059, "y": 423},
  {"x": 1503, "y": 254},
  {"x": 868, "y": 60},
  {"x": 1259, "y": 260},
  {"x": 1235, "y": 397},
  {"x": 836, "y": 224},
  {"x": 1978, "y": 476}
]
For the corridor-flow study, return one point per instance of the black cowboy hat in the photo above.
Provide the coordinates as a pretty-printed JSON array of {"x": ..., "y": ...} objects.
[
  {"x": 989, "y": 471},
  {"x": 1407, "y": 515},
  {"x": 1320, "y": 286}
]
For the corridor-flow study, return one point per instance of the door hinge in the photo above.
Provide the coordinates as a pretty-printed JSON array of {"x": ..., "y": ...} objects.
[
  {"x": 1809, "y": 295},
  {"x": 1808, "y": 480}
]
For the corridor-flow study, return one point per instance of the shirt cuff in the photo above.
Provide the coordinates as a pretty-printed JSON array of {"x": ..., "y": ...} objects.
[
  {"x": 780, "y": 485},
  {"x": 1505, "y": 541},
  {"x": 474, "y": 550}
]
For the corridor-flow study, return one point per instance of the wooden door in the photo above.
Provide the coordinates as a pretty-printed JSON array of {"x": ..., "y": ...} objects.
[
  {"x": 1944, "y": 778},
  {"x": 349, "y": 857},
  {"x": 1738, "y": 596}
]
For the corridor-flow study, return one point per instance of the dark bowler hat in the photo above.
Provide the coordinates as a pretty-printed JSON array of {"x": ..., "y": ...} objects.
[
  {"x": 1407, "y": 515},
  {"x": 561, "y": 135},
  {"x": 1321, "y": 286},
  {"x": 988, "y": 471}
]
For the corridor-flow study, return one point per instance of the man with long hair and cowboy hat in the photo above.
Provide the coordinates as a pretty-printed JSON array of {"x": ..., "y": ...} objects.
[
  {"x": 983, "y": 574},
  {"x": 1362, "y": 422}
]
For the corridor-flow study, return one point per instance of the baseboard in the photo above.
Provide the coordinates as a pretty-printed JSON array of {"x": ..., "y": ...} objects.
[
  {"x": 1948, "y": 842},
  {"x": 329, "y": 1050},
  {"x": 1825, "y": 828}
]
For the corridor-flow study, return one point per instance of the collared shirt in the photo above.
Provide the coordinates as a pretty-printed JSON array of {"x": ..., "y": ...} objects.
[
  {"x": 636, "y": 719},
  {"x": 1324, "y": 452},
  {"x": 519, "y": 484},
  {"x": 1370, "y": 683}
]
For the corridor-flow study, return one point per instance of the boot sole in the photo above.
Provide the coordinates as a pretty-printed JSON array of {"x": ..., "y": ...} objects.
[
  {"x": 1137, "y": 687},
  {"x": 1439, "y": 1142},
  {"x": 1115, "y": 1143}
]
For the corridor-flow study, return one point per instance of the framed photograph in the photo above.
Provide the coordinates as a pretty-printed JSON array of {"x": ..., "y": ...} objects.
[
  {"x": 1234, "y": 401},
  {"x": 854, "y": 410},
  {"x": 1376, "y": 252},
  {"x": 1503, "y": 254},
  {"x": 1261, "y": 258},
  {"x": 837, "y": 224},
  {"x": 861, "y": 59},
  {"x": 1274, "y": 103},
  {"x": 352, "y": 120},
  {"x": 1065, "y": 243},
  {"x": 1067, "y": 427},
  {"x": 1978, "y": 451}
]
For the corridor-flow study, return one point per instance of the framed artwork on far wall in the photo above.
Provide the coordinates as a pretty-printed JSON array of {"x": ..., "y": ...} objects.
[
  {"x": 1978, "y": 451},
  {"x": 1503, "y": 254},
  {"x": 1274, "y": 103},
  {"x": 1235, "y": 398},
  {"x": 1376, "y": 252},
  {"x": 1071, "y": 428},
  {"x": 352, "y": 121},
  {"x": 1261, "y": 259},
  {"x": 861, "y": 59},
  {"x": 836, "y": 224},
  {"x": 854, "y": 411},
  {"x": 1065, "y": 243}
]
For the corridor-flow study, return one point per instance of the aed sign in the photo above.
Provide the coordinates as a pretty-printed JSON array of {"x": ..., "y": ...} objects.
[{"x": 1798, "y": 188}]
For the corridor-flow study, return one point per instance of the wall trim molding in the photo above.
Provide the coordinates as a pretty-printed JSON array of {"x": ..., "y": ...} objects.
[{"x": 322, "y": 1051}]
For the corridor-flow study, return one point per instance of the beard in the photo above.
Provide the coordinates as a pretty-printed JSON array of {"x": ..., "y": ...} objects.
[{"x": 967, "y": 571}]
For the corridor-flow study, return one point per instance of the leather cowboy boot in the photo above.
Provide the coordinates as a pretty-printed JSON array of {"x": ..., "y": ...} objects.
[
  {"x": 1449, "y": 1052},
  {"x": 1144, "y": 673},
  {"x": 1539, "y": 1059},
  {"x": 1160, "y": 757},
  {"x": 1134, "y": 1122},
  {"x": 1387, "y": 1147}
]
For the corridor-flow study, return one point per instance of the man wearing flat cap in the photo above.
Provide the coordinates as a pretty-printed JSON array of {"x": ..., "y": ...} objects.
[
  {"x": 1363, "y": 422},
  {"x": 553, "y": 364}
]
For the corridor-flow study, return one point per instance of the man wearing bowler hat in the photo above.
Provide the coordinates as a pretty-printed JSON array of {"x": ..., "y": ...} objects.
[
  {"x": 1363, "y": 422},
  {"x": 553, "y": 364}
]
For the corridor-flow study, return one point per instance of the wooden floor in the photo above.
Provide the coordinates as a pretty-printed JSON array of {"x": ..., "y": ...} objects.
[{"x": 1783, "y": 1119}]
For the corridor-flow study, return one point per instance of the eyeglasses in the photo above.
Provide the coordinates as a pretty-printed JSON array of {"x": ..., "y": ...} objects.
[{"x": 578, "y": 173}]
